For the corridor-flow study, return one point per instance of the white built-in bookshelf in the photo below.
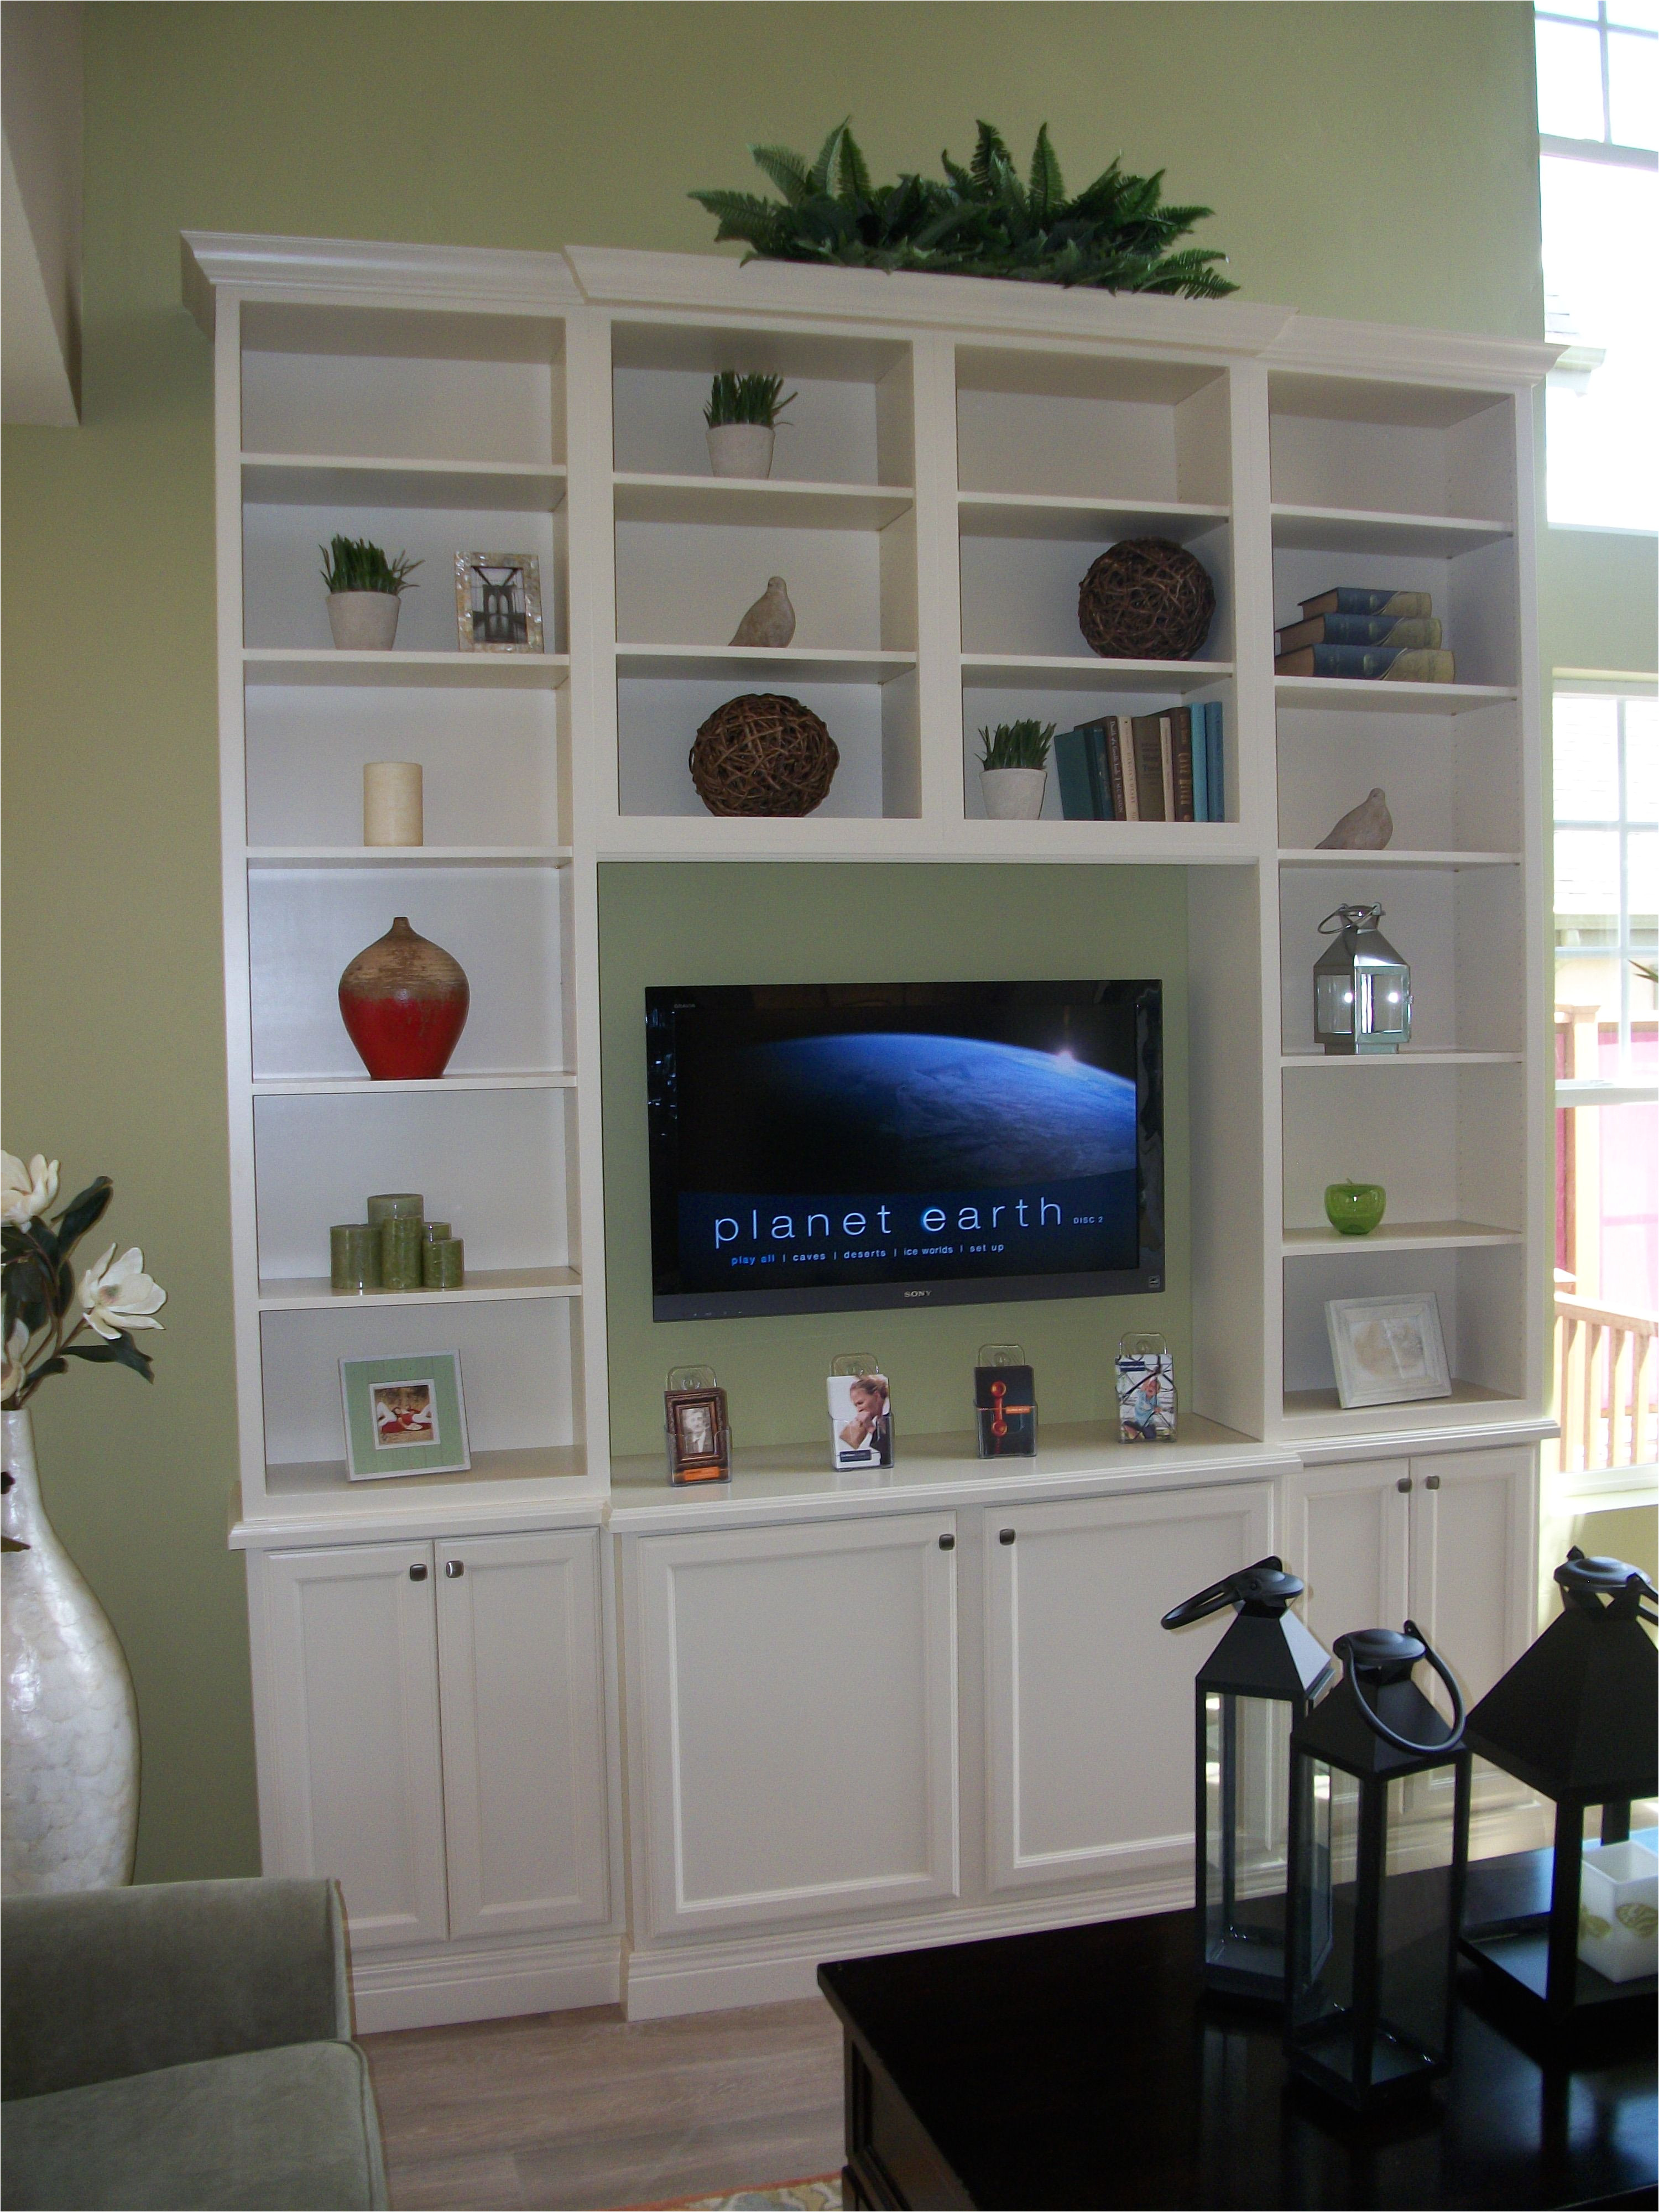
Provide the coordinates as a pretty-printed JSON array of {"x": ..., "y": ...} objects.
[{"x": 957, "y": 455}]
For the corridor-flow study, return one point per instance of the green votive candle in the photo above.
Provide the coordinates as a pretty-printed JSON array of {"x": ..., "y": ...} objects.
[
  {"x": 443, "y": 1263},
  {"x": 396, "y": 1205},
  {"x": 435, "y": 1231},
  {"x": 401, "y": 1247},
  {"x": 354, "y": 1256}
]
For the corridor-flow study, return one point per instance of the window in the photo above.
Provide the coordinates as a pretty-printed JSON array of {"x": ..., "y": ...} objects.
[{"x": 1598, "y": 119}]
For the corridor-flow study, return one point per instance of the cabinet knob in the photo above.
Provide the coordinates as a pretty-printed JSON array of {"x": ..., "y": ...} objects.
[
  {"x": 1005, "y": 1536},
  {"x": 417, "y": 1574},
  {"x": 947, "y": 1543},
  {"x": 1404, "y": 1483},
  {"x": 454, "y": 1568},
  {"x": 1431, "y": 1482}
]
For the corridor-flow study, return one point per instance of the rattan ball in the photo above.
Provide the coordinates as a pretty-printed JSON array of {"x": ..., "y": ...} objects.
[
  {"x": 763, "y": 754},
  {"x": 1146, "y": 599}
]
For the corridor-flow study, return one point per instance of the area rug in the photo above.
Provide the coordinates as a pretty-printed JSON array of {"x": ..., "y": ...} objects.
[{"x": 820, "y": 2192}]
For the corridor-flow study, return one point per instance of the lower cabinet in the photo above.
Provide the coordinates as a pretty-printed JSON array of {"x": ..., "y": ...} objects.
[
  {"x": 793, "y": 1701},
  {"x": 1088, "y": 1702},
  {"x": 1447, "y": 1539},
  {"x": 435, "y": 1735}
]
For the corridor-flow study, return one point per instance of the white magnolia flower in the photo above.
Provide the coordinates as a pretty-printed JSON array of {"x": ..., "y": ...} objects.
[
  {"x": 120, "y": 1297},
  {"x": 12, "y": 1373},
  {"x": 26, "y": 1191}
]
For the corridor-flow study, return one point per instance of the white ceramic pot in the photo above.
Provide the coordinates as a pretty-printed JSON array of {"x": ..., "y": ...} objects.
[
  {"x": 1013, "y": 794},
  {"x": 363, "y": 622},
  {"x": 69, "y": 1806},
  {"x": 741, "y": 449}
]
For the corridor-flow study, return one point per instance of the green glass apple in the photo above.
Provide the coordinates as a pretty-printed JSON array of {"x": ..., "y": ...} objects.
[{"x": 1353, "y": 1209}]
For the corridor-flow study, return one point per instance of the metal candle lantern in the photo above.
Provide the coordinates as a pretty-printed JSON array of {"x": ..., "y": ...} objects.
[
  {"x": 1575, "y": 1718},
  {"x": 1375, "y": 1875},
  {"x": 1362, "y": 988},
  {"x": 1262, "y": 1676}
]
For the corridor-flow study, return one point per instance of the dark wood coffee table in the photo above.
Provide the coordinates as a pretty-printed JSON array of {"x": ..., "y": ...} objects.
[{"x": 1082, "y": 2067}]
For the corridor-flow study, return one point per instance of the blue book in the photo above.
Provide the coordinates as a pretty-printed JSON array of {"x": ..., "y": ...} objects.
[
  {"x": 1398, "y": 664},
  {"x": 1362, "y": 630},
  {"x": 1214, "y": 756},
  {"x": 1071, "y": 766},
  {"x": 1100, "y": 766},
  {"x": 1201, "y": 762},
  {"x": 1354, "y": 600}
]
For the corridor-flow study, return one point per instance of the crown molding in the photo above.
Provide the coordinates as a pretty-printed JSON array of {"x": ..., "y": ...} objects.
[
  {"x": 1317, "y": 345},
  {"x": 481, "y": 278},
  {"x": 1138, "y": 321}
]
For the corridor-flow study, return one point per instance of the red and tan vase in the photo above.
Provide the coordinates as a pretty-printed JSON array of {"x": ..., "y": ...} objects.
[{"x": 404, "y": 1001}]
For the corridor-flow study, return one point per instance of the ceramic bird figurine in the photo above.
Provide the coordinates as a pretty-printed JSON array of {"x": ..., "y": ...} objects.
[
  {"x": 1366, "y": 828},
  {"x": 771, "y": 620}
]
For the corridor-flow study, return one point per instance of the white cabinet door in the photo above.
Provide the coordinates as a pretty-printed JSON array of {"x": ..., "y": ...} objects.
[
  {"x": 1473, "y": 1517},
  {"x": 1345, "y": 1532},
  {"x": 795, "y": 1694},
  {"x": 1088, "y": 1702},
  {"x": 522, "y": 1731},
  {"x": 353, "y": 1653}
]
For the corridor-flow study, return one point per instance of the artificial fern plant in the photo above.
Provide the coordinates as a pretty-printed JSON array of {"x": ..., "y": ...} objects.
[
  {"x": 980, "y": 221},
  {"x": 1016, "y": 744}
]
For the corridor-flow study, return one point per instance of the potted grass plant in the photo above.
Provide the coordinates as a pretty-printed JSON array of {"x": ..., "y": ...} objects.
[
  {"x": 741, "y": 415},
  {"x": 364, "y": 592},
  {"x": 1013, "y": 769}
]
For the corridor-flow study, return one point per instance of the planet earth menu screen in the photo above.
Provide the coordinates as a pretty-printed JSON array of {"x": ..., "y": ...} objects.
[{"x": 824, "y": 1147}]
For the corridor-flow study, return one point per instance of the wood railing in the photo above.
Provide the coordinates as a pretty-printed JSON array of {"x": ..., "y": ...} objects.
[{"x": 1607, "y": 1372}]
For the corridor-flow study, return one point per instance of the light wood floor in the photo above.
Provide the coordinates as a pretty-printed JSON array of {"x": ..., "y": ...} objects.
[{"x": 587, "y": 2110}]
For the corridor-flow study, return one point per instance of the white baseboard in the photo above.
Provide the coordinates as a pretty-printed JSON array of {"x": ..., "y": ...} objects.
[
  {"x": 439, "y": 1988},
  {"x": 704, "y": 1977}
]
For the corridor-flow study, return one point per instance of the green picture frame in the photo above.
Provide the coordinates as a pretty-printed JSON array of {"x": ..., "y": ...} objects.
[{"x": 405, "y": 1416}]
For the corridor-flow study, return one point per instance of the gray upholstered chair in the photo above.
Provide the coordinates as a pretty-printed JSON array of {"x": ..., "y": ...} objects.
[{"x": 185, "y": 2044}]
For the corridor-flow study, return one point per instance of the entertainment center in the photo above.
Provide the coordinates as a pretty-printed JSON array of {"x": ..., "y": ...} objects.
[{"x": 563, "y": 1732}]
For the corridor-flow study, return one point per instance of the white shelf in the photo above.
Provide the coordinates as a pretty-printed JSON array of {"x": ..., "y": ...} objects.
[
  {"x": 771, "y": 502},
  {"x": 365, "y": 1087},
  {"x": 408, "y": 856},
  {"x": 1392, "y": 857},
  {"x": 1087, "y": 672},
  {"x": 517, "y": 672},
  {"x": 1378, "y": 696},
  {"x": 1396, "y": 1237},
  {"x": 1320, "y": 1412},
  {"x": 1084, "y": 521},
  {"x": 326, "y": 479},
  {"x": 309, "y": 1293},
  {"x": 1406, "y": 1059},
  {"x": 748, "y": 664},
  {"x": 1360, "y": 530}
]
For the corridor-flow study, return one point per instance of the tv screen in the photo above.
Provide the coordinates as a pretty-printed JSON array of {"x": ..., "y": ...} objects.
[{"x": 817, "y": 1148}]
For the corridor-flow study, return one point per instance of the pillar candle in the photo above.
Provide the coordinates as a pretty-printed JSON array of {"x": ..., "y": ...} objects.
[
  {"x": 443, "y": 1263},
  {"x": 435, "y": 1231},
  {"x": 391, "y": 803},
  {"x": 396, "y": 1205},
  {"x": 353, "y": 1253},
  {"x": 401, "y": 1248}
]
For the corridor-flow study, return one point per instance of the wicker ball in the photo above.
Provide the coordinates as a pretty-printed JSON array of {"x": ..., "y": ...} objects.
[
  {"x": 1146, "y": 599},
  {"x": 763, "y": 754}
]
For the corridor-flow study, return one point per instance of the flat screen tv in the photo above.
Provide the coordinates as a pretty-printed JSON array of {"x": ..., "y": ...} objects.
[{"x": 820, "y": 1148}]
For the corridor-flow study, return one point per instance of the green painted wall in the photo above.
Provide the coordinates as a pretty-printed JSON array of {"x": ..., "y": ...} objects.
[
  {"x": 1347, "y": 184},
  {"x": 870, "y": 925}
]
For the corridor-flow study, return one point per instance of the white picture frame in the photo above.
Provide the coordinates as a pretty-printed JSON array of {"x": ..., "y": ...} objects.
[{"x": 1388, "y": 1350}]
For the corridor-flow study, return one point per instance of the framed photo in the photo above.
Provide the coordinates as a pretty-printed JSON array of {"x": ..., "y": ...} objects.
[
  {"x": 698, "y": 1439},
  {"x": 860, "y": 1421},
  {"x": 498, "y": 602},
  {"x": 1388, "y": 1352},
  {"x": 405, "y": 1416},
  {"x": 1146, "y": 1407}
]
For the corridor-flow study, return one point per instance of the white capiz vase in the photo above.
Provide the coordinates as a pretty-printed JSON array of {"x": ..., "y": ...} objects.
[{"x": 70, "y": 1816}]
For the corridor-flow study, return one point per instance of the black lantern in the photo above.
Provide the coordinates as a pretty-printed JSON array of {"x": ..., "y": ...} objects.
[
  {"x": 1575, "y": 1718},
  {"x": 1259, "y": 1680},
  {"x": 1376, "y": 1876}
]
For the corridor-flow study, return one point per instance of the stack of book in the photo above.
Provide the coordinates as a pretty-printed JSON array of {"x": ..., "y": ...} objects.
[
  {"x": 1145, "y": 767},
  {"x": 1351, "y": 632}
]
